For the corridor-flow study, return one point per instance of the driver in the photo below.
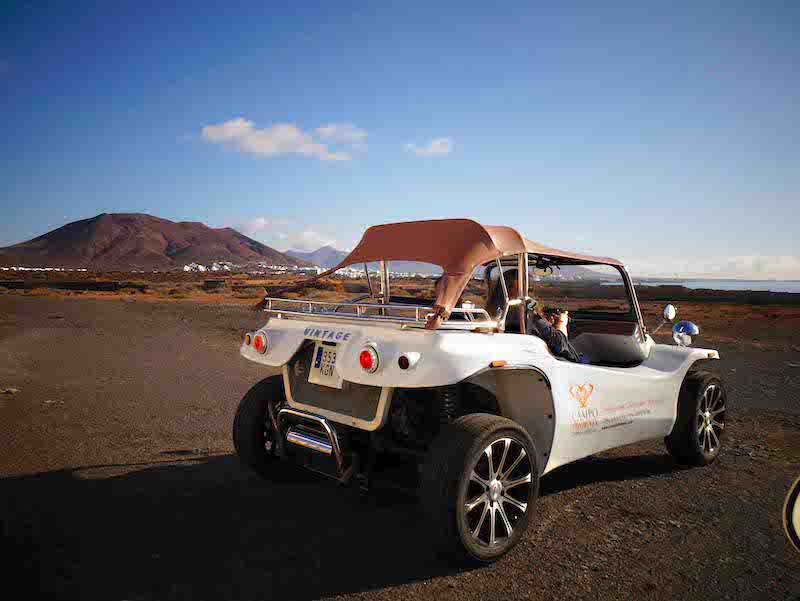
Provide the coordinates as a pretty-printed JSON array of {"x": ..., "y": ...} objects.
[{"x": 550, "y": 326}]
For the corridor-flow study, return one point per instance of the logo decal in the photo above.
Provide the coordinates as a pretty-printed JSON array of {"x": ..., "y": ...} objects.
[
  {"x": 586, "y": 419},
  {"x": 581, "y": 393}
]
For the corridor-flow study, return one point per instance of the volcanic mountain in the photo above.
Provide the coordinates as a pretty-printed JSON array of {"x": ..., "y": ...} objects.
[
  {"x": 127, "y": 241},
  {"x": 326, "y": 256}
]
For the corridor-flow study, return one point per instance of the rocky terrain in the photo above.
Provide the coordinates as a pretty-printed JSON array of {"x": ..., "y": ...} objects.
[{"x": 119, "y": 482}]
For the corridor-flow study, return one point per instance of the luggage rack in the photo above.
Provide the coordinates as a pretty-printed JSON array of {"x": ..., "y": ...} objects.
[{"x": 416, "y": 315}]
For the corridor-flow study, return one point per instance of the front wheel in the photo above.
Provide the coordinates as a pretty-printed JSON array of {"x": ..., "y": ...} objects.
[
  {"x": 479, "y": 484},
  {"x": 696, "y": 437}
]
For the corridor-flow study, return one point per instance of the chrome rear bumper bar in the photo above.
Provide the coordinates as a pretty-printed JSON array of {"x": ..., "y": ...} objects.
[{"x": 309, "y": 440}]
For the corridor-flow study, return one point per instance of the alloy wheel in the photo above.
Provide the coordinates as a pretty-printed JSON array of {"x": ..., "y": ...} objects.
[
  {"x": 498, "y": 492},
  {"x": 711, "y": 418}
]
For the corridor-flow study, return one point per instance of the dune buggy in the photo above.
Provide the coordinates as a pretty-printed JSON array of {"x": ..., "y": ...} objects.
[{"x": 456, "y": 391}]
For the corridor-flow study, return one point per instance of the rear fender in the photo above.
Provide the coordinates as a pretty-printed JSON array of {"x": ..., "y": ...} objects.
[{"x": 523, "y": 395}]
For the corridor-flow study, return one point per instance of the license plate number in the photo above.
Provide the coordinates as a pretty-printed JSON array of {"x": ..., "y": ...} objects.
[{"x": 323, "y": 366}]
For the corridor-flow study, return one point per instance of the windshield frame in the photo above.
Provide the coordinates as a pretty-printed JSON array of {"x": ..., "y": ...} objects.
[{"x": 633, "y": 314}]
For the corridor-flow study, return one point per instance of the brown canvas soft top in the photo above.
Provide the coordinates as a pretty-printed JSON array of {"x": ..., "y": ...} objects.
[{"x": 458, "y": 246}]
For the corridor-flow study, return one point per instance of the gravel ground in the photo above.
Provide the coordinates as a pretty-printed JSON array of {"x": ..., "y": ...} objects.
[{"x": 118, "y": 483}]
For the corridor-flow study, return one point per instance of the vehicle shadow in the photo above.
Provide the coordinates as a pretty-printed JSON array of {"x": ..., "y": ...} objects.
[
  {"x": 607, "y": 469},
  {"x": 208, "y": 529}
]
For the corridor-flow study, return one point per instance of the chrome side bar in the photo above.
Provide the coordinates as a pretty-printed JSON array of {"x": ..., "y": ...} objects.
[{"x": 285, "y": 412}]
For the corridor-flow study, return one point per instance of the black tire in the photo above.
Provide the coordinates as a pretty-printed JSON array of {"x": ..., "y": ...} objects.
[
  {"x": 252, "y": 429},
  {"x": 445, "y": 486},
  {"x": 694, "y": 439}
]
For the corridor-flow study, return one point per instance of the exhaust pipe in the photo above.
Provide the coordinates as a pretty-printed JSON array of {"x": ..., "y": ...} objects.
[
  {"x": 311, "y": 438},
  {"x": 309, "y": 441}
]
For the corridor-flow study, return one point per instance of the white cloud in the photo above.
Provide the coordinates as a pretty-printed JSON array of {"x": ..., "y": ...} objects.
[
  {"x": 437, "y": 146},
  {"x": 276, "y": 140},
  {"x": 344, "y": 133},
  {"x": 259, "y": 224},
  {"x": 309, "y": 239},
  {"x": 285, "y": 234}
]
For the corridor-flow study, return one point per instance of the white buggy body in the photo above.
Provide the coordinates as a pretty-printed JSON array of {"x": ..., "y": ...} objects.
[
  {"x": 594, "y": 407},
  {"x": 475, "y": 402}
]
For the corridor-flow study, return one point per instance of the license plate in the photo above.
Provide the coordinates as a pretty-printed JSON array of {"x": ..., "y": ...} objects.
[{"x": 323, "y": 366}]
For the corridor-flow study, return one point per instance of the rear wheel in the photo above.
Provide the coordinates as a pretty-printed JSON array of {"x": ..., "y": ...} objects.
[
  {"x": 479, "y": 484},
  {"x": 253, "y": 435},
  {"x": 696, "y": 437}
]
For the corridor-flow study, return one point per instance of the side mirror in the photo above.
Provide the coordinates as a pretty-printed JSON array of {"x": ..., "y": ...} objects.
[
  {"x": 669, "y": 315},
  {"x": 683, "y": 331}
]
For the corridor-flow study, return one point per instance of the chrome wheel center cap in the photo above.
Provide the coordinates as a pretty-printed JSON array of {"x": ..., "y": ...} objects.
[{"x": 495, "y": 490}]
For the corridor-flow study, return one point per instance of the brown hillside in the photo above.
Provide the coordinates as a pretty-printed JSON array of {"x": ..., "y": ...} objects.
[{"x": 127, "y": 241}]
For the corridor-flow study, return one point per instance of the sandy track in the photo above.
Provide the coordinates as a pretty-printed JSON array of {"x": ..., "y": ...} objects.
[{"x": 118, "y": 482}]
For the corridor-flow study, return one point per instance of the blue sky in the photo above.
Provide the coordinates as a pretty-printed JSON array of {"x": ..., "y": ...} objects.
[{"x": 664, "y": 135}]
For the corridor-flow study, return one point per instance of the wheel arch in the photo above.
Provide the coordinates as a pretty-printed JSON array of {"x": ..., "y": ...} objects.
[
  {"x": 524, "y": 395},
  {"x": 702, "y": 364}
]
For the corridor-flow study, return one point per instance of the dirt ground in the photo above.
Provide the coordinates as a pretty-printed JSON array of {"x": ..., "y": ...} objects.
[{"x": 118, "y": 479}]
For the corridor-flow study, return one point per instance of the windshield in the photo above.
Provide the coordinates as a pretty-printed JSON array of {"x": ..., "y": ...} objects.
[{"x": 583, "y": 290}]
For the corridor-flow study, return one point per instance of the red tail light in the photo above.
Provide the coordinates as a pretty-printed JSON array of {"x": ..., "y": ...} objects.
[
  {"x": 260, "y": 343},
  {"x": 368, "y": 358}
]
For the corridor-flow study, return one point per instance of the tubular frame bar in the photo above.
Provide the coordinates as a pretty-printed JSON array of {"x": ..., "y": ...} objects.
[
  {"x": 337, "y": 451},
  {"x": 369, "y": 281},
  {"x": 328, "y": 308}
]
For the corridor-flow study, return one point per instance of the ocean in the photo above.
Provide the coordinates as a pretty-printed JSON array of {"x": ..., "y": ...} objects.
[{"x": 768, "y": 285}]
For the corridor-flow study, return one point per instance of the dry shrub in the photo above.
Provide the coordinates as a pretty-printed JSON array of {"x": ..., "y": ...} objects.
[
  {"x": 181, "y": 289},
  {"x": 249, "y": 289},
  {"x": 328, "y": 286}
]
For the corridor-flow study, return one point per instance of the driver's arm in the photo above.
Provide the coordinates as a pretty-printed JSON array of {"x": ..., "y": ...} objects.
[
  {"x": 555, "y": 338},
  {"x": 561, "y": 322}
]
